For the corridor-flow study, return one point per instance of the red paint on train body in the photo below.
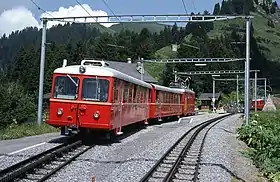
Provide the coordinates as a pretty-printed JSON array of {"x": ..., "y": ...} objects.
[
  {"x": 260, "y": 104},
  {"x": 99, "y": 98}
]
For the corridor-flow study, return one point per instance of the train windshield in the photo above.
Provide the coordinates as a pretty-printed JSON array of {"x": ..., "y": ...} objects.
[
  {"x": 95, "y": 89},
  {"x": 66, "y": 87}
]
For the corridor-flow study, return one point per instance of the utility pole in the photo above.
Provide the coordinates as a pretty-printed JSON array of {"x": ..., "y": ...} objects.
[
  {"x": 213, "y": 97},
  {"x": 176, "y": 77},
  {"x": 247, "y": 71},
  {"x": 42, "y": 67},
  {"x": 142, "y": 69},
  {"x": 265, "y": 91},
  {"x": 256, "y": 75},
  {"x": 237, "y": 90}
]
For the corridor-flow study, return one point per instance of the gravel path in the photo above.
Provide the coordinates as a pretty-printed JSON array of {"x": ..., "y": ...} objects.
[
  {"x": 221, "y": 158},
  {"x": 132, "y": 157}
]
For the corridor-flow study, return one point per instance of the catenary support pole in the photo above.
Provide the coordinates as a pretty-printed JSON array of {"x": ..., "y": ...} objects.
[
  {"x": 176, "y": 77},
  {"x": 142, "y": 70},
  {"x": 265, "y": 90},
  {"x": 42, "y": 67},
  {"x": 247, "y": 71},
  {"x": 237, "y": 90},
  {"x": 256, "y": 75},
  {"x": 213, "y": 96}
]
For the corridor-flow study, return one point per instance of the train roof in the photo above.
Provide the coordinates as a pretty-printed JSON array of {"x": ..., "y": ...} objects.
[
  {"x": 100, "y": 71},
  {"x": 166, "y": 89},
  {"x": 184, "y": 90}
]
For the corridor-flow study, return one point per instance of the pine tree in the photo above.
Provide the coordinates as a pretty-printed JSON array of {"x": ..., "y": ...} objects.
[{"x": 217, "y": 9}]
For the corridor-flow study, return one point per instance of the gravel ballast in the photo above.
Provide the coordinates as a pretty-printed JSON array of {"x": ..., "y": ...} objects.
[
  {"x": 11, "y": 159},
  {"x": 132, "y": 157},
  {"x": 221, "y": 158}
]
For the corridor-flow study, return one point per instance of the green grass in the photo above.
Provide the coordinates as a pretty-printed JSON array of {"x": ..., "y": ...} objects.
[
  {"x": 14, "y": 131},
  {"x": 263, "y": 137},
  {"x": 154, "y": 69},
  {"x": 266, "y": 36}
]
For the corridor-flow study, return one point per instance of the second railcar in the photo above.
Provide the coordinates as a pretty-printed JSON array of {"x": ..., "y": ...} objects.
[{"x": 165, "y": 102}]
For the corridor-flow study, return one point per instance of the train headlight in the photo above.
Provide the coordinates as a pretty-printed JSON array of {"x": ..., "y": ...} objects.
[
  {"x": 60, "y": 111},
  {"x": 82, "y": 69},
  {"x": 96, "y": 115}
]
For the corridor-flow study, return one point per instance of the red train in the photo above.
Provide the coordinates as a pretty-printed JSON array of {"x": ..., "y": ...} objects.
[
  {"x": 260, "y": 104},
  {"x": 92, "y": 96}
]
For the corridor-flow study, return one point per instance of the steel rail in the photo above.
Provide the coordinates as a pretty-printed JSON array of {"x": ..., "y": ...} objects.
[
  {"x": 33, "y": 158},
  {"x": 172, "y": 171},
  {"x": 24, "y": 167}
]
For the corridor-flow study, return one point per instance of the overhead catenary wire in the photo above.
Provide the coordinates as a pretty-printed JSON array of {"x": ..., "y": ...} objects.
[
  {"x": 44, "y": 11},
  {"x": 39, "y": 8},
  {"x": 106, "y": 4},
  {"x": 90, "y": 14},
  {"x": 193, "y": 4},
  {"x": 183, "y": 2}
]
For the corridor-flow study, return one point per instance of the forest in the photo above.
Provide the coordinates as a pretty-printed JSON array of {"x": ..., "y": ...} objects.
[{"x": 20, "y": 54}]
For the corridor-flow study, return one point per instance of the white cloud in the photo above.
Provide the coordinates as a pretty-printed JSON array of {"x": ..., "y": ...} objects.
[
  {"x": 77, "y": 11},
  {"x": 20, "y": 17},
  {"x": 16, "y": 19}
]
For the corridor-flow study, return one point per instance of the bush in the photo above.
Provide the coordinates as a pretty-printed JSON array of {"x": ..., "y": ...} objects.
[
  {"x": 14, "y": 130},
  {"x": 263, "y": 137},
  {"x": 16, "y": 105}
]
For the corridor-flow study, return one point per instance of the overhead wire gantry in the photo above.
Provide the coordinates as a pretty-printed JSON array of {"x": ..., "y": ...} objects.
[{"x": 164, "y": 18}]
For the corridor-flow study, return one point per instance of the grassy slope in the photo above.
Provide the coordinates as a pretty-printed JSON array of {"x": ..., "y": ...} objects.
[{"x": 266, "y": 36}]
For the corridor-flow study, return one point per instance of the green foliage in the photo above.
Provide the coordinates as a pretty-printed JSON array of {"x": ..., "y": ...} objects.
[
  {"x": 16, "y": 105},
  {"x": 262, "y": 136},
  {"x": 137, "y": 27},
  {"x": 231, "y": 97},
  {"x": 14, "y": 130}
]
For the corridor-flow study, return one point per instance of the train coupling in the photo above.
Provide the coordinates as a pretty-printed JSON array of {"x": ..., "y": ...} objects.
[{"x": 69, "y": 131}]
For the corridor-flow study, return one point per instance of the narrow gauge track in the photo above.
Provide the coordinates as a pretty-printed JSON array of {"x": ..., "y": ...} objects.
[
  {"x": 40, "y": 167},
  {"x": 181, "y": 162}
]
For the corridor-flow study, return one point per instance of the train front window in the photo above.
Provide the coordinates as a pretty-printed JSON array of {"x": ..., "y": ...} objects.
[
  {"x": 66, "y": 87},
  {"x": 95, "y": 89}
]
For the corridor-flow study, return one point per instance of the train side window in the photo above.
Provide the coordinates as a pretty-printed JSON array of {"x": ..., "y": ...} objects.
[
  {"x": 135, "y": 93},
  {"x": 116, "y": 90},
  {"x": 157, "y": 97},
  {"x": 150, "y": 95},
  {"x": 130, "y": 87},
  {"x": 142, "y": 94},
  {"x": 145, "y": 94},
  {"x": 125, "y": 93}
]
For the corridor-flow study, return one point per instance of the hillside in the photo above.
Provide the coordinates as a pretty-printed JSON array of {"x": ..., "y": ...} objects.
[
  {"x": 137, "y": 27},
  {"x": 268, "y": 37}
]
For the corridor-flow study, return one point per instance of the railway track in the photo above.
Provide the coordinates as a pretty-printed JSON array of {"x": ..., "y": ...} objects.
[
  {"x": 181, "y": 162},
  {"x": 40, "y": 167}
]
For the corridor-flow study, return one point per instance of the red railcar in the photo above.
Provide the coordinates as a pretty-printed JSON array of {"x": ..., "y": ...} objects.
[
  {"x": 97, "y": 97},
  {"x": 188, "y": 102},
  {"x": 93, "y": 96},
  {"x": 260, "y": 104},
  {"x": 165, "y": 102}
]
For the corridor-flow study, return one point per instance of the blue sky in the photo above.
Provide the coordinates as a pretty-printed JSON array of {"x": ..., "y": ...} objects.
[
  {"x": 133, "y": 6},
  {"x": 23, "y": 13}
]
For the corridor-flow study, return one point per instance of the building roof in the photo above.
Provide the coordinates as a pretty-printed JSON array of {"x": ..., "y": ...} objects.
[
  {"x": 130, "y": 69},
  {"x": 208, "y": 96}
]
